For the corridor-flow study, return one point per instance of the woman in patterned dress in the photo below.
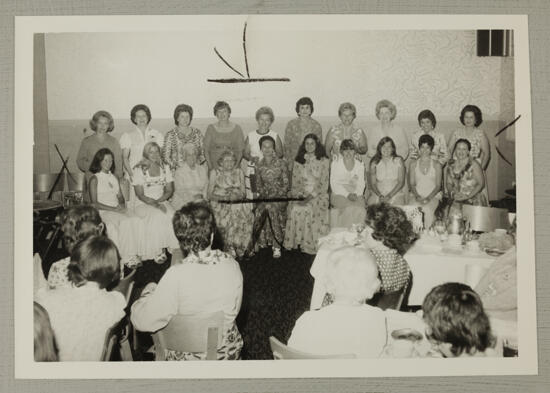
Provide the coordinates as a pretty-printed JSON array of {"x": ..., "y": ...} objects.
[
  {"x": 234, "y": 220},
  {"x": 346, "y": 130},
  {"x": 192, "y": 178},
  {"x": 463, "y": 178},
  {"x": 308, "y": 220},
  {"x": 273, "y": 182},
  {"x": 206, "y": 281},
  {"x": 298, "y": 128}
]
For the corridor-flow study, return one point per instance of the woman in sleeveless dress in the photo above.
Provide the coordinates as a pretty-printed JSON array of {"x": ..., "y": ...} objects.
[
  {"x": 386, "y": 176},
  {"x": 234, "y": 220},
  {"x": 252, "y": 153},
  {"x": 425, "y": 179},
  {"x": 123, "y": 228}
]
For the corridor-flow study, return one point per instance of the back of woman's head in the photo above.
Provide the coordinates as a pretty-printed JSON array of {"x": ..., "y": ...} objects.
[
  {"x": 78, "y": 223},
  {"x": 194, "y": 227},
  {"x": 352, "y": 274},
  {"x": 454, "y": 315},
  {"x": 45, "y": 346},
  {"x": 95, "y": 259},
  {"x": 391, "y": 226}
]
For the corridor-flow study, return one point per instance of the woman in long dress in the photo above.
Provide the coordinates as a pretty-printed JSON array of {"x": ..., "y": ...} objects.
[
  {"x": 347, "y": 183},
  {"x": 252, "y": 153},
  {"x": 154, "y": 185},
  {"x": 123, "y": 228},
  {"x": 425, "y": 175},
  {"x": 273, "y": 182},
  {"x": 190, "y": 178},
  {"x": 223, "y": 135},
  {"x": 234, "y": 220},
  {"x": 386, "y": 175},
  {"x": 308, "y": 220},
  {"x": 346, "y": 130}
]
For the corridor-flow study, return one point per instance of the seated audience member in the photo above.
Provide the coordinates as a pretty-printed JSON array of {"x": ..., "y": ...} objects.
[
  {"x": 348, "y": 325},
  {"x": 206, "y": 281},
  {"x": 81, "y": 315},
  {"x": 123, "y": 228},
  {"x": 190, "y": 178},
  {"x": 308, "y": 220},
  {"x": 425, "y": 175},
  {"x": 391, "y": 234},
  {"x": 498, "y": 287},
  {"x": 154, "y": 185},
  {"x": 77, "y": 224},
  {"x": 234, "y": 220},
  {"x": 347, "y": 183},
  {"x": 456, "y": 323},
  {"x": 45, "y": 346},
  {"x": 273, "y": 182},
  {"x": 386, "y": 175}
]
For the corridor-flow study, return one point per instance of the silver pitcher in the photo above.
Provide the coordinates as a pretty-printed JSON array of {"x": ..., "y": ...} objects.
[{"x": 455, "y": 225}]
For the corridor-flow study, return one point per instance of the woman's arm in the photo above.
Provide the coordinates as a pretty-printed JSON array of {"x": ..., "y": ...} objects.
[
  {"x": 238, "y": 144},
  {"x": 278, "y": 147},
  {"x": 126, "y": 162},
  {"x": 93, "y": 197},
  {"x": 371, "y": 180},
  {"x": 207, "y": 142},
  {"x": 438, "y": 169},
  {"x": 443, "y": 150},
  {"x": 82, "y": 159},
  {"x": 246, "y": 152},
  {"x": 360, "y": 189},
  {"x": 447, "y": 187},
  {"x": 167, "y": 151},
  {"x": 400, "y": 179},
  {"x": 168, "y": 192},
  {"x": 412, "y": 179},
  {"x": 362, "y": 146},
  {"x": 211, "y": 184},
  {"x": 117, "y": 153},
  {"x": 142, "y": 197},
  {"x": 485, "y": 150},
  {"x": 451, "y": 144},
  {"x": 329, "y": 141}
]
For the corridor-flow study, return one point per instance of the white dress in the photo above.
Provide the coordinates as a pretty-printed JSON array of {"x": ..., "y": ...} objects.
[
  {"x": 425, "y": 183},
  {"x": 158, "y": 232},
  {"x": 254, "y": 143},
  {"x": 387, "y": 177},
  {"x": 122, "y": 228}
]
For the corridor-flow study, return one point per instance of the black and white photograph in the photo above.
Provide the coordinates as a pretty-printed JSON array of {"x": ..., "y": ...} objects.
[{"x": 254, "y": 196}]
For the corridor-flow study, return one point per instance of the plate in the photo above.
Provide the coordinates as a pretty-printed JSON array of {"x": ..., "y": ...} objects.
[{"x": 494, "y": 252}]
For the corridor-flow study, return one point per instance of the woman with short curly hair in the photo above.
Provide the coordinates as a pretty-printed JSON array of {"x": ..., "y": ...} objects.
[
  {"x": 386, "y": 112},
  {"x": 206, "y": 281},
  {"x": 346, "y": 130}
]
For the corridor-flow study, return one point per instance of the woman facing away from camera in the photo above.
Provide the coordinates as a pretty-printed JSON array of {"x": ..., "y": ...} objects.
[
  {"x": 457, "y": 324},
  {"x": 123, "y": 228},
  {"x": 348, "y": 325},
  {"x": 308, "y": 220},
  {"x": 81, "y": 314},
  {"x": 45, "y": 345},
  {"x": 297, "y": 128},
  {"x": 154, "y": 185},
  {"x": 206, "y": 281}
]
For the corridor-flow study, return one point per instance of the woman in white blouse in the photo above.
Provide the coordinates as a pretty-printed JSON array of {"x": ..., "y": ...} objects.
[
  {"x": 206, "y": 281},
  {"x": 154, "y": 185},
  {"x": 347, "y": 183}
]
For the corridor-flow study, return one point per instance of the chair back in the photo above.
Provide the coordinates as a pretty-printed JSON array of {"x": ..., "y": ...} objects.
[
  {"x": 117, "y": 337},
  {"x": 391, "y": 300},
  {"x": 110, "y": 341},
  {"x": 190, "y": 333},
  {"x": 485, "y": 219},
  {"x": 281, "y": 352},
  {"x": 126, "y": 285}
]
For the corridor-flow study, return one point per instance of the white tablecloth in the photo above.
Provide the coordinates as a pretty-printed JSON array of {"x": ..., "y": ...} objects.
[{"x": 430, "y": 262}]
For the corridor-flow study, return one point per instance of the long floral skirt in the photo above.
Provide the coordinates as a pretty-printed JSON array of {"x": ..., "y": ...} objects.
[
  {"x": 269, "y": 224},
  {"x": 235, "y": 224},
  {"x": 306, "y": 224}
]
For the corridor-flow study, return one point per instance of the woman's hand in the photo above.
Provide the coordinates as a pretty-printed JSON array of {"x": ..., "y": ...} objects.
[
  {"x": 161, "y": 207},
  {"x": 352, "y": 197},
  {"x": 198, "y": 196},
  {"x": 255, "y": 160}
]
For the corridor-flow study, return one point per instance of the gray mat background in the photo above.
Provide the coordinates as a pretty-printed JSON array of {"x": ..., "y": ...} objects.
[{"x": 539, "y": 34}]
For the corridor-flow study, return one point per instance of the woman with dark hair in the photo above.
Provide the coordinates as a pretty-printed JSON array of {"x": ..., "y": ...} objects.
[
  {"x": 463, "y": 178},
  {"x": 308, "y": 220},
  {"x": 102, "y": 124},
  {"x": 252, "y": 153},
  {"x": 223, "y": 135},
  {"x": 389, "y": 234},
  {"x": 233, "y": 219},
  {"x": 45, "y": 346},
  {"x": 77, "y": 223},
  {"x": 298, "y": 128},
  {"x": 132, "y": 142},
  {"x": 425, "y": 174},
  {"x": 386, "y": 113},
  {"x": 346, "y": 130},
  {"x": 386, "y": 176},
  {"x": 81, "y": 314},
  {"x": 205, "y": 282},
  {"x": 105, "y": 194},
  {"x": 347, "y": 183},
  {"x": 153, "y": 185},
  {"x": 456, "y": 323},
  {"x": 427, "y": 123},
  {"x": 273, "y": 182}
]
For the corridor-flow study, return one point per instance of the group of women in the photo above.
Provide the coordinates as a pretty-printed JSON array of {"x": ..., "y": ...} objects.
[{"x": 281, "y": 198}]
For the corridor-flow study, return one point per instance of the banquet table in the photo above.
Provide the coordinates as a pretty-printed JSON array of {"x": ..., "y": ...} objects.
[{"x": 431, "y": 261}]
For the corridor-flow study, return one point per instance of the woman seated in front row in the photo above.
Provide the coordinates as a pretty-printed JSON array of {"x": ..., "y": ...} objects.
[
  {"x": 124, "y": 229},
  {"x": 206, "y": 281},
  {"x": 154, "y": 185},
  {"x": 81, "y": 314},
  {"x": 347, "y": 183},
  {"x": 457, "y": 324},
  {"x": 308, "y": 220},
  {"x": 425, "y": 180},
  {"x": 386, "y": 175},
  {"x": 348, "y": 325}
]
